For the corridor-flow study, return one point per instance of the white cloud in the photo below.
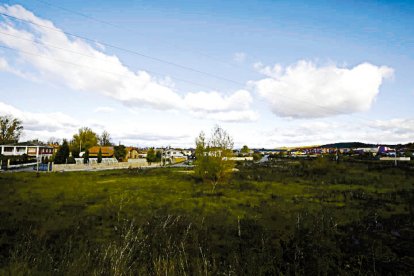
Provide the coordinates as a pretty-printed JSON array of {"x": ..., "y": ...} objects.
[
  {"x": 229, "y": 116},
  {"x": 273, "y": 72},
  {"x": 37, "y": 125},
  {"x": 85, "y": 67},
  {"x": 304, "y": 90},
  {"x": 42, "y": 125},
  {"x": 239, "y": 57},
  {"x": 104, "y": 109},
  {"x": 214, "y": 106},
  {"x": 214, "y": 101},
  {"x": 322, "y": 132}
]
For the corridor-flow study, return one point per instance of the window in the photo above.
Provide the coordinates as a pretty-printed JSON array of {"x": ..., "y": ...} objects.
[{"x": 8, "y": 149}]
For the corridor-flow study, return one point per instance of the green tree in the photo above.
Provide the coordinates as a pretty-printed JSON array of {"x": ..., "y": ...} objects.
[
  {"x": 120, "y": 152},
  {"x": 86, "y": 157},
  {"x": 105, "y": 139},
  {"x": 63, "y": 153},
  {"x": 10, "y": 129},
  {"x": 151, "y": 156},
  {"x": 245, "y": 150},
  {"x": 100, "y": 156},
  {"x": 213, "y": 162},
  {"x": 158, "y": 155},
  {"x": 83, "y": 140},
  {"x": 257, "y": 156}
]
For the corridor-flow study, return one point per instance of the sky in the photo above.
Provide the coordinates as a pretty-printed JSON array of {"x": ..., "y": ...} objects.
[{"x": 157, "y": 73}]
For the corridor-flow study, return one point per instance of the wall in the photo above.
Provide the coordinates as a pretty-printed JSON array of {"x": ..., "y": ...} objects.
[{"x": 91, "y": 167}]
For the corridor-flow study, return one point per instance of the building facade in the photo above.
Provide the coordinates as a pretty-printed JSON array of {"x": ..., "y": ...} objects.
[{"x": 30, "y": 150}]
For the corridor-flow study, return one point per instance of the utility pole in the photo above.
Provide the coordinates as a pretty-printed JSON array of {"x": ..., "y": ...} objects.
[
  {"x": 336, "y": 157},
  {"x": 395, "y": 163}
]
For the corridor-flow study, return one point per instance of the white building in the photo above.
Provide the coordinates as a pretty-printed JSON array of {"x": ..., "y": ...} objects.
[
  {"x": 30, "y": 150},
  {"x": 173, "y": 155}
]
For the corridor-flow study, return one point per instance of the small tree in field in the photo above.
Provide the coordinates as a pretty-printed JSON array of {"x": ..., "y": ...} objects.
[
  {"x": 151, "y": 156},
  {"x": 245, "y": 150},
  {"x": 120, "y": 152},
  {"x": 213, "y": 162},
  {"x": 86, "y": 157},
  {"x": 63, "y": 153},
  {"x": 100, "y": 156}
]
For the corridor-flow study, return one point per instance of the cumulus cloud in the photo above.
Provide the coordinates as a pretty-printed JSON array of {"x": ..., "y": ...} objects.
[
  {"x": 322, "y": 132},
  {"x": 273, "y": 72},
  {"x": 214, "y": 101},
  {"x": 50, "y": 55},
  {"x": 214, "y": 106},
  {"x": 38, "y": 125},
  {"x": 239, "y": 57},
  {"x": 150, "y": 136},
  {"x": 229, "y": 116},
  {"x": 42, "y": 125},
  {"x": 104, "y": 109},
  {"x": 304, "y": 90}
]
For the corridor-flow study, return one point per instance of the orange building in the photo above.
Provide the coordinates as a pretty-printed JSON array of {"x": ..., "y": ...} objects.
[{"x": 106, "y": 151}]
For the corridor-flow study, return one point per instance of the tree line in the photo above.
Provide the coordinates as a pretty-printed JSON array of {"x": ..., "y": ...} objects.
[{"x": 213, "y": 154}]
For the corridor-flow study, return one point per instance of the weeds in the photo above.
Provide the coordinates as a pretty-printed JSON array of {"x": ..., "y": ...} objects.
[{"x": 281, "y": 218}]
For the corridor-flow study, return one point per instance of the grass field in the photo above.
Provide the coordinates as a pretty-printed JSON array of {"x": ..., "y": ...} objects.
[{"x": 307, "y": 217}]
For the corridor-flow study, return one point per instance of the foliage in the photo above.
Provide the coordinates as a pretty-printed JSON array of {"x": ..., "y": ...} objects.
[
  {"x": 245, "y": 150},
  {"x": 86, "y": 157},
  {"x": 212, "y": 156},
  {"x": 153, "y": 156},
  {"x": 71, "y": 160},
  {"x": 54, "y": 141},
  {"x": 10, "y": 130},
  {"x": 120, "y": 152},
  {"x": 17, "y": 160},
  {"x": 105, "y": 139},
  {"x": 158, "y": 155},
  {"x": 276, "y": 218},
  {"x": 100, "y": 156},
  {"x": 83, "y": 140},
  {"x": 63, "y": 153},
  {"x": 257, "y": 156}
]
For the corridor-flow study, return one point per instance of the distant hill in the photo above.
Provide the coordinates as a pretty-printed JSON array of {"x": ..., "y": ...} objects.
[
  {"x": 342, "y": 145},
  {"x": 364, "y": 145}
]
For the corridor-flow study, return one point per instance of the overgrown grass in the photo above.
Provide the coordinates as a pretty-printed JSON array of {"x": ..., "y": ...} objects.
[{"x": 307, "y": 217}]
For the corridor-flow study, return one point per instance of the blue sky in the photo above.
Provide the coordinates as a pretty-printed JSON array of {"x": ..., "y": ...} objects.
[{"x": 271, "y": 73}]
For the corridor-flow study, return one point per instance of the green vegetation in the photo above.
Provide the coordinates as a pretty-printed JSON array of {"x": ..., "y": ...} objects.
[
  {"x": 83, "y": 140},
  {"x": 153, "y": 156},
  {"x": 10, "y": 130},
  {"x": 291, "y": 217},
  {"x": 86, "y": 157},
  {"x": 120, "y": 152},
  {"x": 100, "y": 156},
  {"x": 212, "y": 157},
  {"x": 245, "y": 150},
  {"x": 105, "y": 139},
  {"x": 62, "y": 154}
]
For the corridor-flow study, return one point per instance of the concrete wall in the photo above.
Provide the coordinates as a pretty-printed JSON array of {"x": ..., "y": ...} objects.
[
  {"x": 395, "y": 158},
  {"x": 91, "y": 167}
]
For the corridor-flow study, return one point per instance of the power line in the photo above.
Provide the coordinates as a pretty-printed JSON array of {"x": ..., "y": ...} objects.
[
  {"x": 81, "y": 65},
  {"x": 333, "y": 111},
  {"x": 128, "y": 29},
  {"x": 44, "y": 44},
  {"x": 127, "y": 50}
]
